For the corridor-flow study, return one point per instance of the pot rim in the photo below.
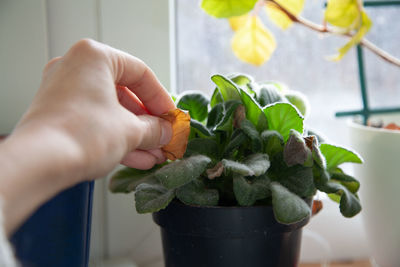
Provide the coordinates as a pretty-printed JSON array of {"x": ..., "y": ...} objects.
[{"x": 353, "y": 124}]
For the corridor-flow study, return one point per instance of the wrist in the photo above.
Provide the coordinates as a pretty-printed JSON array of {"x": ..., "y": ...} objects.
[{"x": 34, "y": 167}]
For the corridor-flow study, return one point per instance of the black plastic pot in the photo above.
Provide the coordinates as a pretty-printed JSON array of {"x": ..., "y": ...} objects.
[{"x": 227, "y": 237}]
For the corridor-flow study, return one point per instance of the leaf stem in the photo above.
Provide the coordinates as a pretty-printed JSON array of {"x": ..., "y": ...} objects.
[{"x": 325, "y": 29}]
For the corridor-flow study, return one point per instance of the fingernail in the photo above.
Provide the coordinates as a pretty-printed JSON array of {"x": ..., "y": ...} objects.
[{"x": 166, "y": 132}]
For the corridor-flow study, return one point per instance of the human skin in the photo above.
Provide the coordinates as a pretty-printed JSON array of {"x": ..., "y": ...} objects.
[{"x": 80, "y": 125}]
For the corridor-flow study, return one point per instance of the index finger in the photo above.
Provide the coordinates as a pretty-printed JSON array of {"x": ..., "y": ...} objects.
[{"x": 140, "y": 79}]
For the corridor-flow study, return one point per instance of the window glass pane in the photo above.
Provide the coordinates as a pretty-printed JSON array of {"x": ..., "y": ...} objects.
[{"x": 300, "y": 61}]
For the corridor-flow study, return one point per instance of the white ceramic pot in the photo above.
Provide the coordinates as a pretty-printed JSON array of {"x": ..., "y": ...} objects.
[{"x": 380, "y": 188}]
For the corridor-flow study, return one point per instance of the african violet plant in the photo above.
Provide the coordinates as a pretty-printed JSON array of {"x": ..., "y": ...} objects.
[{"x": 247, "y": 146}]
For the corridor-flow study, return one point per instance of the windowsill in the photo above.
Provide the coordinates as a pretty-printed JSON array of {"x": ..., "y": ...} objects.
[{"x": 364, "y": 263}]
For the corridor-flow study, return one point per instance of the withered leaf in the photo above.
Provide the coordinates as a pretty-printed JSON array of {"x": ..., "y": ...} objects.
[{"x": 180, "y": 121}]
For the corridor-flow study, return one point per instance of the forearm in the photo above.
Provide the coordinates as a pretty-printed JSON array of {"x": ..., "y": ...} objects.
[{"x": 34, "y": 164}]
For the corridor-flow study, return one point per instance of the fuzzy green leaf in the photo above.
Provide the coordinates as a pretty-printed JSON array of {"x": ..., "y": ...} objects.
[
  {"x": 227, "y": 8},
  {"x": 180, "y": 172},
  {"x": 254, "y": 112},
  {"x": 238, "y": 138},
  {"x": 349, "y": 203},
  {"x": 226, "y": 123},
  {"x": 298, "y": 179},
  {"x": 269, "y": 94},
  {"x": 215, "y": 116},
  {"x": 196, "y": 193},
  {"x": 199, "y": 128},
  {"x": 152, "y": 197},
  {"x": 126, "y": 180},
  {"x": 201, "y": 146},
  {"x": 317, "y": 155},
  {"x": 282, "y": 117},
  {"x": 248, "y": 192},
  {"x": 216, "y": 98},
  {"x": 236, "y": 167},
  {"x": 336, "y": 155},
  {"x": 273, "y": 142},
  {"x": 251, "y": 131},
  {"x": 296, "y": 150},
  {"x": 196, "y": 104},
  {"x": 227, "y": 88},
  {"x": 240, "y": 79},
  {"x": 346, "y": 180},
  {"x": 288, "y": 207},
  {"x": 258, "y": 163}
]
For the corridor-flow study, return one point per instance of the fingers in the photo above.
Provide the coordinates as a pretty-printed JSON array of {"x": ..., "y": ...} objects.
[
  {"x": 143, "y": 160},
  {"x": 130, "y": 101},
  {"x": 149, "y": 132},
  {"x": 50, "y": 65},
  {"x": 139, "y": 78}
]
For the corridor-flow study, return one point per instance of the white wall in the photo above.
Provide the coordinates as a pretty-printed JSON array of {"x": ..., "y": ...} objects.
[{"x": 34, "y": 31}]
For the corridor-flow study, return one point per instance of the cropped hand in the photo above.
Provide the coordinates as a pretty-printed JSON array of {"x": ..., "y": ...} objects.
[{"x": 90, "y": 113}]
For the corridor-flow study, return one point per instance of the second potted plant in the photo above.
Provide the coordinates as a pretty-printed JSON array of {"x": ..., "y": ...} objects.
[{"x": 243, "y": 190}]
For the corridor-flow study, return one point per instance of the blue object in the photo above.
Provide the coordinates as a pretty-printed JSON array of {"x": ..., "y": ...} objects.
[{"x": 58, "y": 233}]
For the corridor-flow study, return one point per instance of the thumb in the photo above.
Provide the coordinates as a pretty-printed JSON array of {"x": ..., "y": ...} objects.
[{"x": 154, "y": 132}]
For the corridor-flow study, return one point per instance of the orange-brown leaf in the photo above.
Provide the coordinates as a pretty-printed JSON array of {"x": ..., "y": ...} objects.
[
  {"x": 316, "y": 207},
  {"x": 180, "y": 121}
]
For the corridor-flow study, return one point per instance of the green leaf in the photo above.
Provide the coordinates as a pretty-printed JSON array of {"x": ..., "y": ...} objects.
[
  {"x": 288, "y": 207},
  {"x": 152, "y": 197},
  {"x": 273, "y": 142},
  {"x": 216, "y": 98},
  {"x": 258, "y": 163},
  {"x": 269, "y": 94},
  {"x": 227, "y": 8},
  {"x": 199, "y": 129},
  {"x": 254, "y": 112},
  {"x": 298, "y": 179},
  {"x": 226, "y": 123},
  {"x": 180, "y": 172},
  {"x": 250, "y": 130},
  {"x": 349, "y": 203},
  {"x": 248, "y": 192},
  {"x": 196, "y": 104},
  {"x": 238, "y": 138},
  {"x": 336, "y": 155},
  {"x": 346, "y": 180},
  {"x": 296, "y": 150},
  {"x": 282, "y": 117},
  {"x": 215, "y": 116},
  {"x": 236, "y": 167},
  {"x": 240, "y": 79},
  {"x": 201, "y": 146},
  {"x": 126, "y": 180},
  {"x": 196, "y": 193},
  {"x": 227, "y": 88},
  {"x": 299, "y": 100}
]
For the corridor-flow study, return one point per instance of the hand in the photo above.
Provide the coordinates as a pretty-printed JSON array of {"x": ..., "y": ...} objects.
[{"x": 81, "y": 125}]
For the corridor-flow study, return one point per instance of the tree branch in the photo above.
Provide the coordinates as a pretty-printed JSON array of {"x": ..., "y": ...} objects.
[{"x": 324, "y": 29}]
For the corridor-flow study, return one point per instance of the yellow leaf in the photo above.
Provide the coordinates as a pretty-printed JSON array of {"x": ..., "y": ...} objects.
[
  {"x": 366, "y": 24},
  {"x": 343, "y": 13},
  {"x": 238, "y": 22},
  {"x": 253, "y": 43},
  {"x": 180, "y": 121},
  {"x": 280, "y": 18}
]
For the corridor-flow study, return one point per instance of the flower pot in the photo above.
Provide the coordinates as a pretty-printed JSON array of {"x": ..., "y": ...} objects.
[
  {"x": 58, "y": 233},
  {"x": 227, "y": 236},
  {"x": 379, "y": 193}
]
